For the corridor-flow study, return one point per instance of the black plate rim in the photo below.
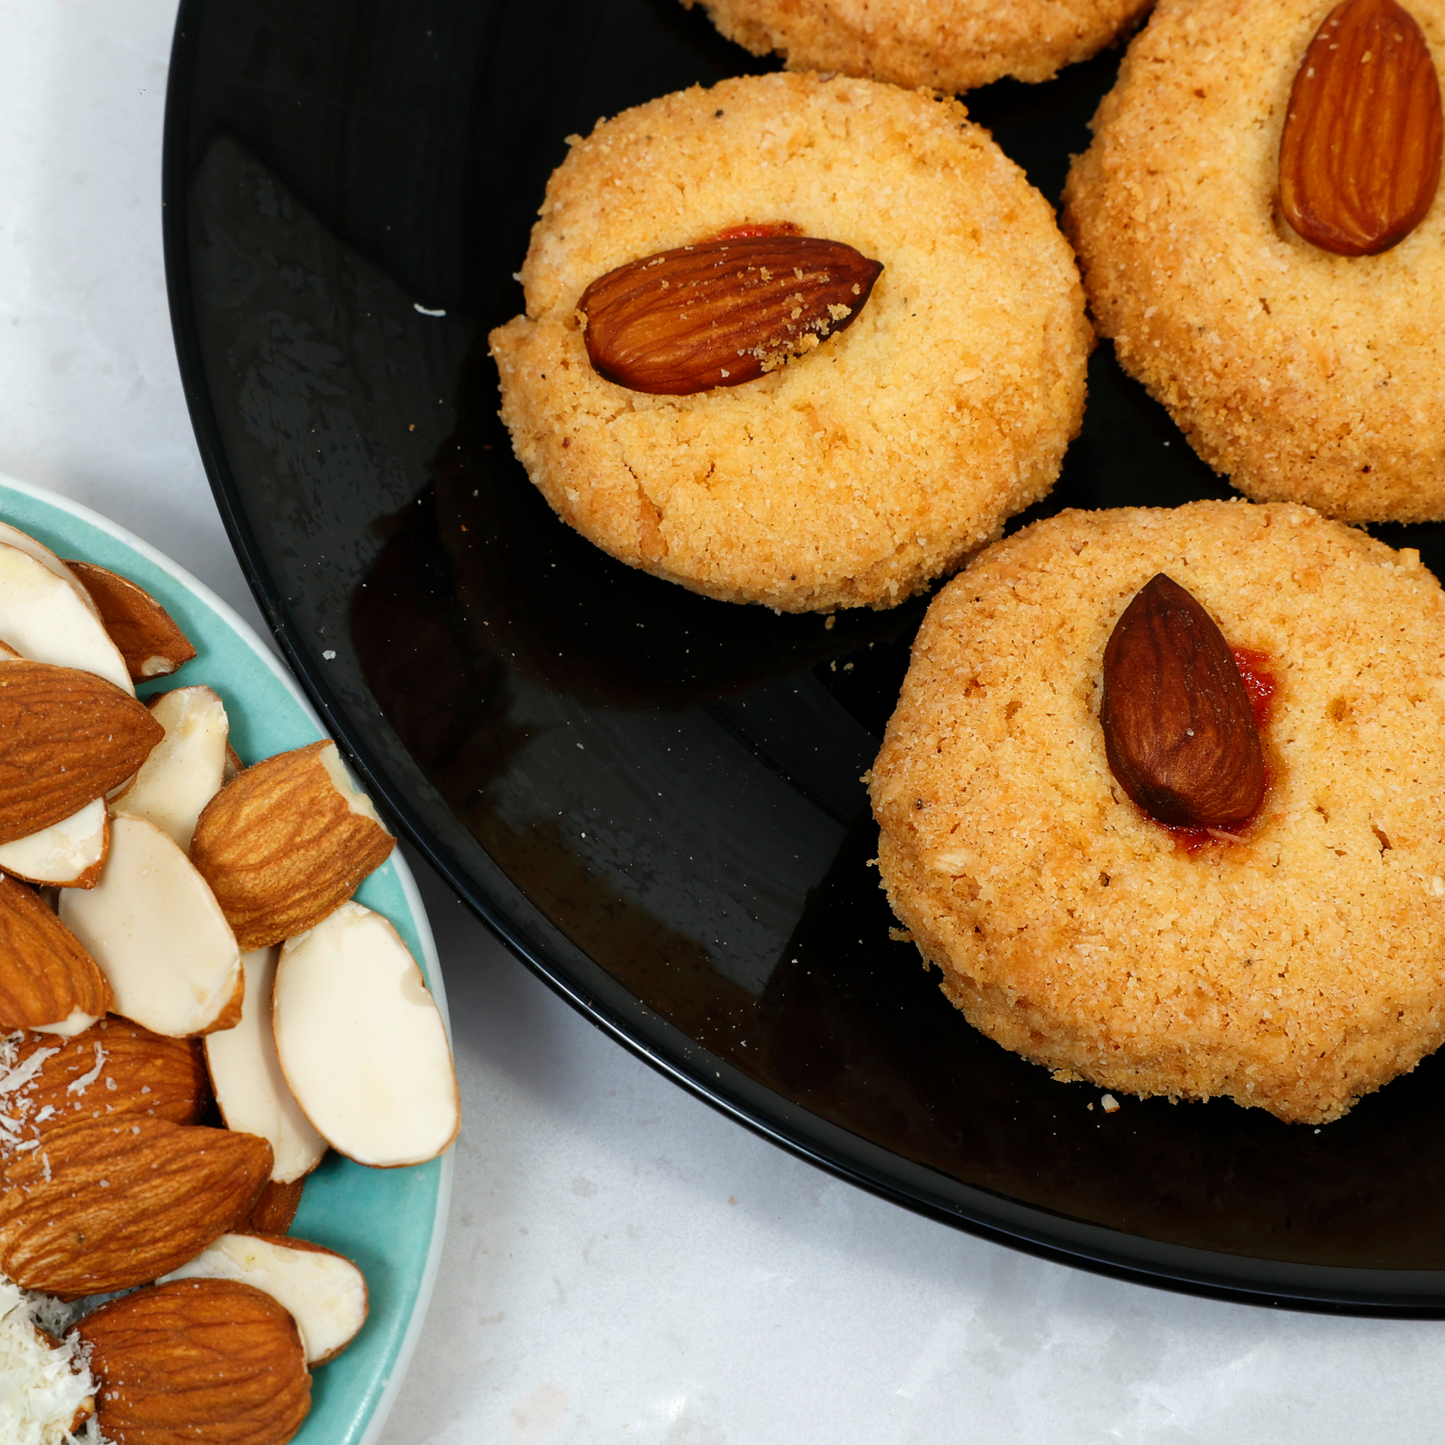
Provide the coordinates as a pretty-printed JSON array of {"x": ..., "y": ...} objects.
[{"x": 1239, "y": 1279}]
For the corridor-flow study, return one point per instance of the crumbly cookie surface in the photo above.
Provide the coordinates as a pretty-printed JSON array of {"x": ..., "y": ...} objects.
[
  {"x": 1301, "y": 375},
  {"x": 883, "y": 458},
  {"x": 1294, "y": 971},
  {"x": 950, "y": 45}
]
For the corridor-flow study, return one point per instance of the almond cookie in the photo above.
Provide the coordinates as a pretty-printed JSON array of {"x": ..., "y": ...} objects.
[
  {"x": 1293, "y": 963},
  {"x": 949, "y": 45},
  {"x": 1301, "y": 374},
  {"x": 889, "y": 451}
]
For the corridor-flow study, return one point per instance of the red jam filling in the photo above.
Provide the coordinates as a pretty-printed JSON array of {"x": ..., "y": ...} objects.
[
  {"x": 1259, "y": 683},
  {"x": 751, "y": 229}
]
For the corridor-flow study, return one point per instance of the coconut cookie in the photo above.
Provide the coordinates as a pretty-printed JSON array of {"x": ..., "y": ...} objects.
[
  {"x": 1300, "y": 372},
  {"x": 948, "y": 45},
  {"x": 1293, "y": 959},
  {"x": 921, "y": 390}
]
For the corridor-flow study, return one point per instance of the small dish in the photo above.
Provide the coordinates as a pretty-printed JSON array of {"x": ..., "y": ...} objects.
[{"x": 390, "y": 1222}]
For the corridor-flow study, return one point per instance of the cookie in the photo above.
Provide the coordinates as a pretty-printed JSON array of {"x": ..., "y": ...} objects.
[
  {"x": 950, "y": 45},
  {"x": 887, "y": 454},
  {"x": 1299, "y": 374},
  {"x": 1295, "y": 969}
]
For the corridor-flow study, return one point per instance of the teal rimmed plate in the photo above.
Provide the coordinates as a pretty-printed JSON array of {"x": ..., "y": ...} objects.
[{"x": 390, "y": 1222}]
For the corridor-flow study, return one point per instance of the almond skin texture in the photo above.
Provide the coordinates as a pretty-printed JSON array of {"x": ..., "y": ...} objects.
[
  {"x": 129, "y": 1197},
  {"x": 282, "y": 848},
  {"x": 197, "y": 1360},
  {"x": 143, "y": 631},
  {"x": 1359, "y": 159},
  {"x": 722, "y": 312},
  {"x": 1179, "y": 731},
  {"x": 130, "y": 1071},
  {"x": 275, "y": 1209},
  {"x": 45, "y": 974},
  {"x": 66, "y": 738}
]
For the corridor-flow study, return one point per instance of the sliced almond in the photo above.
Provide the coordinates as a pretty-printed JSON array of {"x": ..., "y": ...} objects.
[
  {"x": 104, "y": 1204},
  {"x": 47, "y": 979},
  {"x": 206, "y": 1360},
  {"x": 185, "y": 769},
  {"x": 14, "y": 537},
  {"x": 143, "y": 631},
  {"x": 250, "y": 1087},
  {"x": 286, "y": 843},
  {"x": 46, "y": 619},
  {"x": 67, "y": 854},
  {"x": 66, "y": 738},
  {"x": 324, "y": 1291},
  {"x": 159, "y": 936},
  {"x": 362, "y": 1044}
]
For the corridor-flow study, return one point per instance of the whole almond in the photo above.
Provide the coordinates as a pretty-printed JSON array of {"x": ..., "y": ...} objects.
[
  {"x": 144, "y": 632},
  {"x": 1179, "y": 730},
  {"x": 103, "y": 1204},
  {"x": 46, "y": 977},
  {"x": 114, "y": 1067},
  {"x": 1359, "y": 159},
  {"x": 208, "y": 1360},
  {"x": 722, "y": 312},
  {"x": 286, "y": 843},
  {"x": 66, "y": 738}
]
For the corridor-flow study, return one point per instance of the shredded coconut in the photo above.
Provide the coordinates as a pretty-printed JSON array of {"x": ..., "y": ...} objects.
[
  {"x": 41, "y": 1386},
  {"x": 80, "y": 1085},
  {"x": 14, "y": 1076}
]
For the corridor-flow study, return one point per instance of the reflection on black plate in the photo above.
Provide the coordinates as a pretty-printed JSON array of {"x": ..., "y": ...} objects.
[{"x": 656, "y": 798}]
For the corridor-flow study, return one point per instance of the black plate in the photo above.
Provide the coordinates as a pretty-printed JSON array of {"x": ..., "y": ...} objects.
[{"x": 653, "y": 798}]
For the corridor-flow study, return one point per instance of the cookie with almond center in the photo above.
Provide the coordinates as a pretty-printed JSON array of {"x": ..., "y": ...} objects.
[
  {"x": 870, "y": 458},
  {"x": 1300, "y": 373},
  {"x": 1293, "y": 961}
]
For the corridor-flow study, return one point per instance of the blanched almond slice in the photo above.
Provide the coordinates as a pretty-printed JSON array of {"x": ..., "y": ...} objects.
[
  {"x": 47, "y": 979},
  {"x": 14, "y": 537},
  {"x": 67, "y": 854},
  {"x": 324, "y": 1291},
  {"x": 185, "y": 769},
  {"x": 250, "y": 1087},
  {"x": 156, "y": 931},
  {"x": 362, "y": 1044},
  {"x": 46, "y": 619},
  {"x": 145, "y": 633},
  {"x": 286, "y": 843}
]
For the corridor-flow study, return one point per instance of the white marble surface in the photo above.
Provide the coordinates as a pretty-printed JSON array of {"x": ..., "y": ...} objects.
[{"x": 623, "y": 1264}]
